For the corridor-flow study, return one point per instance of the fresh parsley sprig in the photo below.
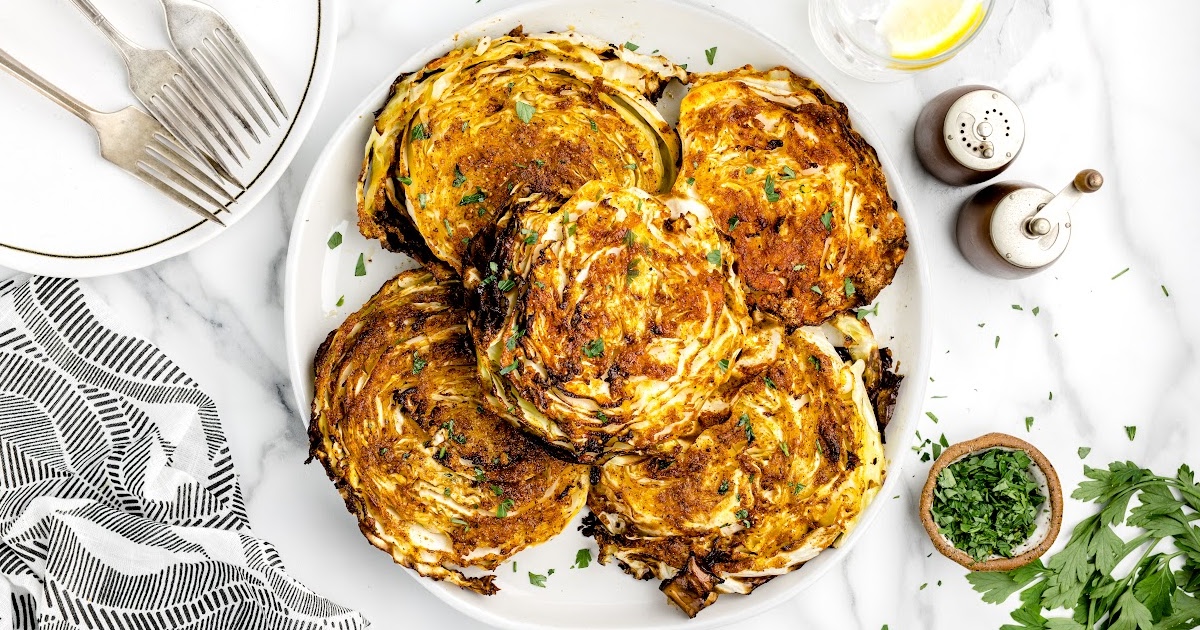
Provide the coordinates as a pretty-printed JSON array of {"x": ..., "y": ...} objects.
[{"x": 1081, "y": 579}]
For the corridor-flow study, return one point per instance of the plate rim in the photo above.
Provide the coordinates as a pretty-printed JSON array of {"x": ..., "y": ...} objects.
[
  {"x": 185, "y": 240},
  {"x": 915, "y": 380}
]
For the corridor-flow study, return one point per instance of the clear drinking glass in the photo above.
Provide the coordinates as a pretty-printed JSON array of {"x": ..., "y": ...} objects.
[{"x": 852, "y": 34}]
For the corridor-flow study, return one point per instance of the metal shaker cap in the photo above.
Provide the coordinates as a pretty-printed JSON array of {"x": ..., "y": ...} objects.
[
  {"x": 1020, "y": 244},
  {"x": 984, "y": 130}
]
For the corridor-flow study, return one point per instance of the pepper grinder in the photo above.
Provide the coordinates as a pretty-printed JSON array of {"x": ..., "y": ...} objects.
[
  {"x": 1016, "y": 229},
  {"x": 969, "y": 134}
]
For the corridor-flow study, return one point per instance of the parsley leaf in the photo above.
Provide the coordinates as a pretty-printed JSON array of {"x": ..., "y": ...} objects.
[
  {"x": 459, "y": 178},
  {"x": 714, "y": 257},
  {"x": 504, "y": 507},
  {"x": 537, "y": 580},
  {"x": 360, "y": 269},
  {"x": 418, "y": 363},
  {"x": 593, "y": 348},
  {"x": 335, "y": 240},
  {"x": 631, "y": 46},
  {"x": 583, "y": 558},
  {"x": 769, "y": 189},
  {"x": 711, "y": 55},
  {"x": 475, "y": 197},
  {"x": 525, "y": 111},
  {"x": 419, "y": 132}
]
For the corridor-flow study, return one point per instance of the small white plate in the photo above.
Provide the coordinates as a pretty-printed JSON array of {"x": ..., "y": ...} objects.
[
  {"x": 66, "y": 211},
  {"x": 318, "y": 277}
]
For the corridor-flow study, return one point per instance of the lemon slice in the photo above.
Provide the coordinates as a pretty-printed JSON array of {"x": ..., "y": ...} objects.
[{"x": 922, "y": 29}]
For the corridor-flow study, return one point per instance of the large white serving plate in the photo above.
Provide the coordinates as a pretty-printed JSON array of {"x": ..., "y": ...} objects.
[
  {"x": 66, "y": 211},
  {"x": 318, "y": 277}
]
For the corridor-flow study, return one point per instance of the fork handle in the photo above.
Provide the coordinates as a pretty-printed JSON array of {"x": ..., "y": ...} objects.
[
  {"x": 122, "y": 43},
  {"x": 48, "y": 89}
]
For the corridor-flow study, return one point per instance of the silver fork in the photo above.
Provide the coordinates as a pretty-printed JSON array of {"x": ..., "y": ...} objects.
[
  {"x": 137, "y": 143},
  {"x": 159, "y": 80},
  {"x": 217, "y": 55}
]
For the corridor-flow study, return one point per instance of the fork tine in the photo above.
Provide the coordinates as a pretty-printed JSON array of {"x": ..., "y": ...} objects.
[
  {"x": 193, "y": 93},
  {"x": 173, "y": 174},
  {"x": 205, "y": 58},
  {"x": 151, "y": 176},
  {"x": 215, "y": 85},
  {"x": 191, "y": 117},
  {"x": 166, "y": 114},
  {"x": 235, "y": 43},
  {"x": 179, "y": 159},
  {"x": 231, "y": 63}
]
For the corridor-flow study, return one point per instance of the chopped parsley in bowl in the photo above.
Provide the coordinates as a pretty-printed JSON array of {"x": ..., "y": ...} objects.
[{"x": 987, "y": 504}]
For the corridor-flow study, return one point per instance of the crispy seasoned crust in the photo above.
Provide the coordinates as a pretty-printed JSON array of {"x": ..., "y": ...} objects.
[
  {"x": 399, "y": 424},
  {"x": 510, "y": 118},
  {"x": 789, "y": 471},
  {"x": 606, "y": 325},
  {"x": 800, "y": 194}
]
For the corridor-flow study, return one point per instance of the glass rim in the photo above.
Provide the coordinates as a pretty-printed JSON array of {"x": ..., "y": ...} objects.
[{"x": 914, "y": 64}]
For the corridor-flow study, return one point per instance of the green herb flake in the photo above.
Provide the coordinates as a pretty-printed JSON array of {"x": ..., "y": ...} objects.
[
  {"x": 1164, "y": 290},
  {"x": 341, "y": 302},
  {"x": 508, "y": 369},
  {"x": 583, "y": 558},
  {"x": 419, "y": 132},
  {"x": 744, "y": 423},
  {"x": 1131, "y": 432},
  {"x": 475, "y": 197},
  {"x": 459, "y": 178},
  {"x": 816, "y": 363},
  {"x": 711, "y": 55},
  {"x": 592, "y": 123},
  {"x": 862, "y": 313},
  {"x": 506, "y": 285},
  {"x": 769, "y": 189},
  {"x": 784, "y": 447},
  {"x": 1028, "y": 423},
  {"x": 924, "y": 586},
  {"x": 537, "y": 580},
  {"x": 714, "y": 257},
  {"x": 987, "y": 504},
  {"x": 449, "y": 230},
  {"x": 456, "y": 520},
  {"x": 631, "y": 271},
  {"x": 422, "y": 200},
  {"x": 360, "y": 268},
  {"x": 691, "y": 181},
  {"x": 525, "y": 111},
  {"x": 407, "y": 181},
  {"x": 816, "y": 289},
  {"x": 770, "y": 383},
  {"x": 511, "y": 344},
  {"x": 723, "y": 364},
  {"x": 849, "y": 287},
  {"x": 631, "y": 46},
  {"x": 418, "y": 363},
  {"x": 932, "y": 417},
  {"x": 997, "y": 344},
  {"x": 1120, "y": 273},
  {"x": 497, "y": 490},
  {"x": 724, "y": 487},
  {"x": 1036, "y": 310},
  {"x": 733, "y": 223},
  {"x": 335, "y": 239},
  {"x": 1083, "y": 452},
  {"x": 788, "y": 173},
  {"x": 504, "y": 507},
  {"x": 1017, "y": 307},
  {"x": 750, "y": 170},
  {"x": 594, "y": 348}
]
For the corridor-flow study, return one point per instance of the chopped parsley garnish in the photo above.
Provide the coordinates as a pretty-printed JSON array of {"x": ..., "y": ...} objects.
[
  {"x": 631, "y": 167},
  {"x": 770, "y": 383},
  {"x": 511, "y": 344},
  {"x": 1083, "y": 452},
  {"x": 456, "y": 520},
  {"x": 506, "y": 285},
  {"x": 797, "y": 487},
  {"x": 711, "y": 55},
  {"x": 788, "y": 173},
  {"x": 449, "y": 230},
  {"x": 341, "y": 301},
  {"x": 744, "y": 423},
  {"x": 407, "y": 181},
  {"x": 422, "y": 200},
  {"x": 816, "y": 363},
  {"x": 1028, "y": 423},
  {"x": 1131, "y": 432},
  {"x": 525, "y": 111},
  {"x": 459, "y": 178},
  {"x": 769, "y": 189},
  {"x": 475, "y": 197},
  {"x": 799, "y": 267},
  {"x": 360, "y": 269},
  {"x": 531, "y": 236},
  {"x": 504, "y": 507},
  {"x": 733, "y": 222},
  {"x": 419, "y": 132},
  {"x": 997, "y": 344},
  {"x": 750, "y": 170},
  {"x": 497, "y": 490},
  {"x": 931, "y": 416},
  {"x": 862, "y": 313},
  {"x": 1036, "y": 310},
  {"x": 714, "y": 257},
  {"x": 743, "y": 516},
  {"x": 784, "y": 447},
  {"x": 508, "y": 369},
  {"x": 849, "y": 287},
  {"x": 827, "y": 220},
  {"x": 593, "y": 124},
  {"x": 724, "y": 487},
  {"x": 631, "y": 271},
  {"x": 987, "y": 504},
  {"x": 1017, "y": 307},
  {"x": 583, "y": 558},
  {"x": 1120, "y": 273},
  {"x": 631, "y": 46},
  {"x": 600, "y": 415},
  {"x": 816, "y": 289},
  {"x": 1164, "y": 290},
  {"x": 418, "y": 363},
  {"x": 691, "y": 181},
  {"x": 335, "y": 239},
  {"x": 628, "y": 238},
  {"x": 537, "y": 580},
  {"x": 723, "y": 364},
  {"x": 593, "y": 348},
  {"x": 540, "y": 162}
]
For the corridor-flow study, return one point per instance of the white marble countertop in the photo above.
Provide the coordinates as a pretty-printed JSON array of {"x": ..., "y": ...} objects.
[{"x": 1101, "y": 84}]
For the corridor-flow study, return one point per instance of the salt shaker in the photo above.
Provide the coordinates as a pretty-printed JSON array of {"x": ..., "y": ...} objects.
[
  {"x": 970, "y": 134},
  {"x": 1016, "y": 229}
]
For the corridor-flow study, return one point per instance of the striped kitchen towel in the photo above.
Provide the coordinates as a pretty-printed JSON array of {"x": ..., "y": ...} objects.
[{"x": 119, "y": 504}]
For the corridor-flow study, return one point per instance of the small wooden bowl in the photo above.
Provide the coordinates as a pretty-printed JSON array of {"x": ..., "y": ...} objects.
[{"x": 1048, "y": 479}]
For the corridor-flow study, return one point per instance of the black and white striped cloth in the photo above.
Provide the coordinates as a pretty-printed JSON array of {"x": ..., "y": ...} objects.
[{"x": 119, "y": 504}]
